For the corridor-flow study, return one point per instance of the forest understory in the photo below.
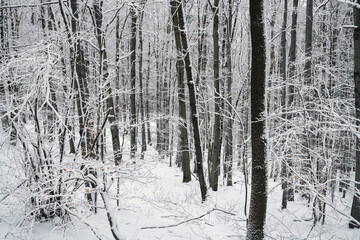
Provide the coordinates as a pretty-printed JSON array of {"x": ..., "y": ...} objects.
[
  {"x": 155, "y": 204},
  {"x": 180, "y": 119}
]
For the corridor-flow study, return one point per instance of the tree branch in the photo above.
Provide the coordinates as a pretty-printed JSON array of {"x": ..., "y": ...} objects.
[
  {"x": 191, "y": 219},
  {"x": 30, "y": 5}
]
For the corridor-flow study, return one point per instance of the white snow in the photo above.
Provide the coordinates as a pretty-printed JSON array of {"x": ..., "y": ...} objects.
[{"x": 152, "y": 195}]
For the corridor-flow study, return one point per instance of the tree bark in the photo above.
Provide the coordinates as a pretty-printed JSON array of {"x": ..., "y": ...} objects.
[
  {"x": 133, "y": 13},
  {"x": 192, "y": 98},
  {"x": 183, "y": 142},
  {"x": 229, "y": 136},
  {"x": 308, "y": 42},
  {"x": 143, "y": 133},
  {"x": 355, "y": 212},
  {"x": 215, "y": 161},
  {"x": 291, "y": 88},
  {"x": 147, "y": 99},
  {"x": 114, "y": 129},
  {"x": 284, "y": 170},
  {"x": 258, "y": 200}
]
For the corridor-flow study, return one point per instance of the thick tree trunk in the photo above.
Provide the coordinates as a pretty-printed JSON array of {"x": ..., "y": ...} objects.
[
  {"x": 215, "y": 161},
  {"x": 308, "y": 139},
  {"x": 258, "y": 200},
  {"x": 291, "y": 89},
  {"x": 192, "y": 98},
  {"x": 355, "y": 212},
  {"x": 79, "y": 83},
  {"x": 114, "y": 129},
  {"x": 284, "y": 170},
  {"x": 229, "y": 136},
  {"x": 183, "y": 143},
  {"x": 133, "y": 134}
]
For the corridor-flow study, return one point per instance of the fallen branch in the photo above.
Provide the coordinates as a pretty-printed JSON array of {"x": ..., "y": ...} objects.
[{"x": 189, "y": 220}]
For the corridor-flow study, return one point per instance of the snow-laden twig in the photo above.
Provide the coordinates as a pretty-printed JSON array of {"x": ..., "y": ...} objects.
[
  {"x": 189, "y": 220},
  {"x": 7, "y": 195},
  {"x": 354, "y": 4}
]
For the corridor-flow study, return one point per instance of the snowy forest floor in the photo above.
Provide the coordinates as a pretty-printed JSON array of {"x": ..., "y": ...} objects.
[{"x": 153, "y": 195}]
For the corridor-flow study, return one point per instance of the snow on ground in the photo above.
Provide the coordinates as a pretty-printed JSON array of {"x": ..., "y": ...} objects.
[{"x": 155, "y": 204}]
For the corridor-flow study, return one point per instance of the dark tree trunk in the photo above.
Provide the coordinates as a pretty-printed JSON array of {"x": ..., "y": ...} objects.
[
  {"x": 291, "y": 89},
  {"x": 143, "y": 132},
  {"x": 258, "y": 200},
  {"x": 306, "y": 165},
  {"x": 192, "y": 98},
  {"x": 183, "y": 144},
  {"x": 229, "y": 136},
  {"x": 284, "y": 169},
  {"x": 79, "y": 83},
  {"x": 3, "y": 52},
  {"x": 133, "y": 134},
  {"x": 308, "y": 42},
  {"x": 147, "y": 99},
  {"x": 215, "y": 161},
  {"x": 355, "y": 212},
  {"x": 114, "y": 129}
]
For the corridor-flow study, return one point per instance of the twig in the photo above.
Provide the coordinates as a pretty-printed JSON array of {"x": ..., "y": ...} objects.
[
  {"x": 189, "y": 220},
  {"x": 29, "y": 5},
  {"x": 7, "y": 195},
  {"x": 98, "y": 134}
]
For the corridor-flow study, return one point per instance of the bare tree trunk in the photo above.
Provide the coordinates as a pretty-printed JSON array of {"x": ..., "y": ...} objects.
[
  {"x": 147, "y": 99},
  {"x": 215, "y": 161},
  {"x": 143, "y": 133},
  {"x": 355, "y": 213},
  {"x": 104, "y": 73},
  {"x": 5, "y": 121},
  {"x": 291, "y": 88},
  {"x": 133, "y": 13},
  {"x": 270, "y": 97},
  {"x": 306, "y": 166},
  {"x": 308, "y": 42},
  {"x": 183, "y": 142},
  {"x": 258, "y": 200},
  {"x": 284, "y": 170},
  {"x": 79, "y": 83},
  {"x": 192, "y": 98},
  {"x": 229, "y": 136}
]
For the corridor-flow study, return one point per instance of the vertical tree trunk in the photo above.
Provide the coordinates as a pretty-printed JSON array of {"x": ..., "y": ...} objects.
[
  {"x": 306, "y": 167},
  {"x": 158, "y": 104},
  {"x": 308, "y": 42},
  {"x": 117, "y": 64},
  {"x": 270, "y": 97},
  {"x": 147, "y": 99},
  {"x": 79, "y": 81},
  {"x": 215, "y": 161},
  {"x": 104, "y": 73},
  {"x": 284, "y": 170},
  {"x": 258, "y": 200},
  {"x": 192, "y": 98},
  {"x": 229, "y": 136},
  {"x": 355, "y": 213},
  {"x": 3, "y": 51},
  {"x": 291, "y": 89},
  {"x": 133, "y": 147},
  {"x": 143, "y": 133},
  {"x": 183, "y": 142}
]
